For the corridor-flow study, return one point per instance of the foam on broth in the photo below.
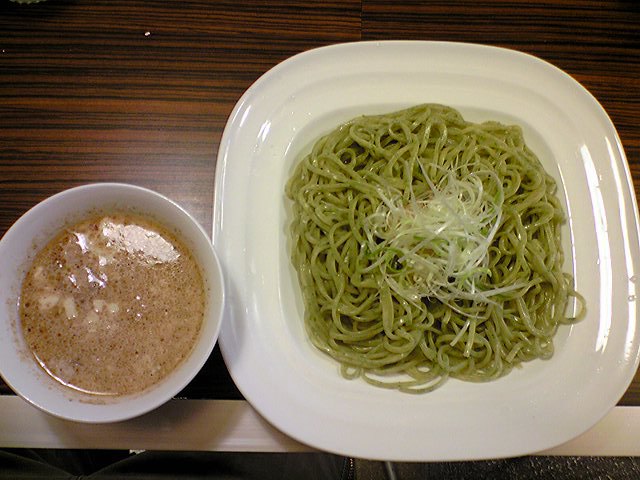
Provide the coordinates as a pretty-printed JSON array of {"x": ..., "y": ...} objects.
[{"x": 112, "y": 304}]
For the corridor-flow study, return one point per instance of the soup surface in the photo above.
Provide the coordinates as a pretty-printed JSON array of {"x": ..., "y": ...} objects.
[{"x": 112, "y": 304}]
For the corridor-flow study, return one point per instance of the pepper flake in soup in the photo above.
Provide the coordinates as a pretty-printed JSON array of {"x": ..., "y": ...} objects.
[{"x": 112, "y": 304}]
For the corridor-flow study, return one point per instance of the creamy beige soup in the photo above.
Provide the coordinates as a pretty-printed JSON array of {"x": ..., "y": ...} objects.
[{"x": 112, "y": 304}]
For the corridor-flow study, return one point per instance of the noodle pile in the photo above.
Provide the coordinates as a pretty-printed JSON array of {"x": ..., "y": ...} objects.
[{"x": 428, "y": 247}]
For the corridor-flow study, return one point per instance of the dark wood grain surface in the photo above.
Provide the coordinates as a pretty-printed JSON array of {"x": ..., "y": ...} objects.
[{"x": 139, "y": 91}]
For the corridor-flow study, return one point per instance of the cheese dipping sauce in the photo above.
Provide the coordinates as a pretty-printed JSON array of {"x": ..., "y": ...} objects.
[{"x": 112, "y": 304}]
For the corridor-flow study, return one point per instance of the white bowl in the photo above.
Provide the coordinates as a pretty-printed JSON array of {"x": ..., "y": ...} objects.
[{"x": 30, "y": 233}]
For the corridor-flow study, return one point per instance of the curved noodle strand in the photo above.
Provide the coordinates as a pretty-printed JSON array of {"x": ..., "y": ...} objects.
[{"x": 428, "y": 247}]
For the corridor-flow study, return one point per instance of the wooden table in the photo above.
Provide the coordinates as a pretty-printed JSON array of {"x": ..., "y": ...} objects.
[{"x": 139, "y": 92}]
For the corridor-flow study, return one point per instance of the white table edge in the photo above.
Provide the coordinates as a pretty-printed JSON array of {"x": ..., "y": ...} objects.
[{"x": 234, "y": 426}]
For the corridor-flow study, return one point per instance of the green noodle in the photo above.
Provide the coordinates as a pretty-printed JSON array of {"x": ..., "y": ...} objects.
[{"x": 428, "y": 247}]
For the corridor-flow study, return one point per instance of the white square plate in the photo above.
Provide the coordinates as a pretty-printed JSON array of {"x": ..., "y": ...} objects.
[{"x": 300, "y": 390}]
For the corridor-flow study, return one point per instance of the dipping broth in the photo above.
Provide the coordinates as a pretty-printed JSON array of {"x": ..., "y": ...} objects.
[{"x": 112, "y": 304}]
